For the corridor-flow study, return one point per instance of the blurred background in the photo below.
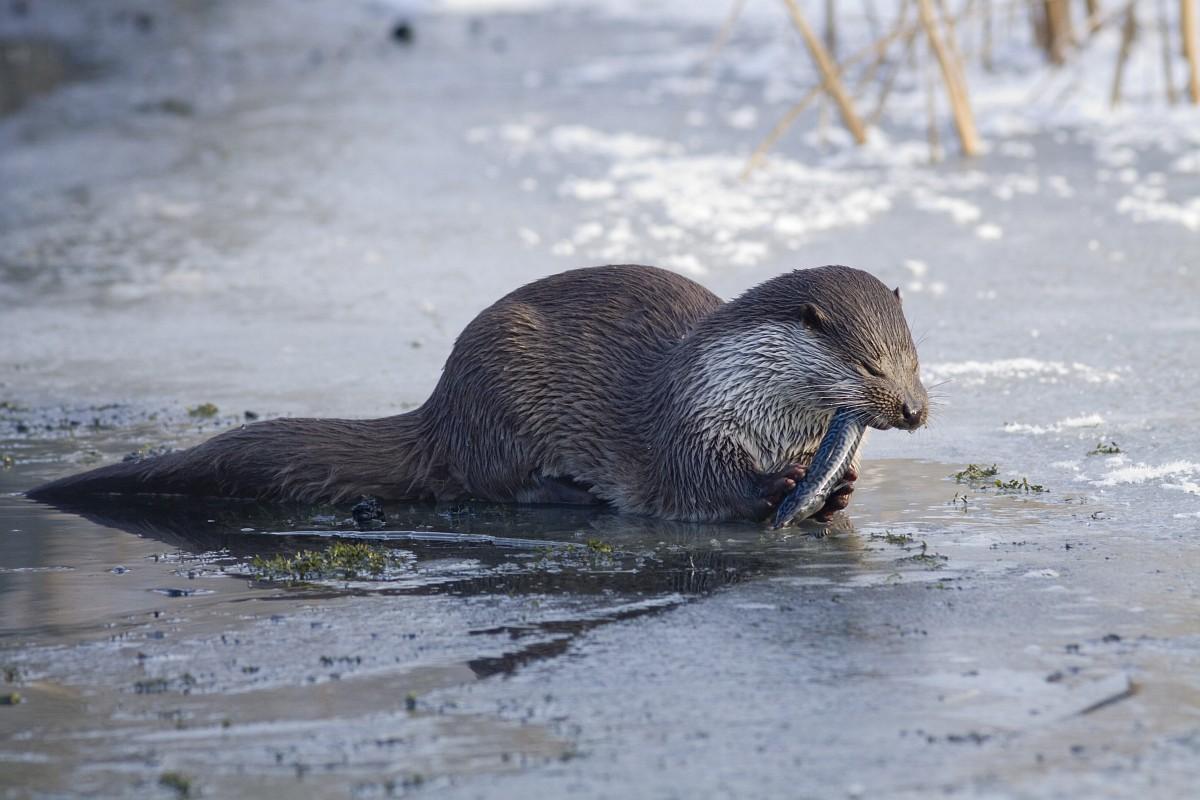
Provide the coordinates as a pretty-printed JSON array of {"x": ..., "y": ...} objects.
[{"x": 298, "y": 204}]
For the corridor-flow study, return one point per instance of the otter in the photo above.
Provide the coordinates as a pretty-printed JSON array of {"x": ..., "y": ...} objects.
[{"x": 626, "y": 385}]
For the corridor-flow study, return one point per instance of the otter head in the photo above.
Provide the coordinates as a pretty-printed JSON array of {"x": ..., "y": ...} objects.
[{"x": 833, "y": 337}]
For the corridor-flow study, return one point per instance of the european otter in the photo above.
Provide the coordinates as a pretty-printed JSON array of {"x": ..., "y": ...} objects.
[{"x": 628, "y": 385}]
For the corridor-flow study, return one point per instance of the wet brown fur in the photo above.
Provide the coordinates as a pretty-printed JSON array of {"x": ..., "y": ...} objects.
[{"x": 624, "y": 384}]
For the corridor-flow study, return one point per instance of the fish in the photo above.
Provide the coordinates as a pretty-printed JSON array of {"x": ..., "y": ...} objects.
[{"x": 826, "y": 471}]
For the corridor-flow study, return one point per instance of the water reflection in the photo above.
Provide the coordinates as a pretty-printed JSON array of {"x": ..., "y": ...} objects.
[
  {"x": 55, "y": 568},
  {"x": 472, "y": 549}
]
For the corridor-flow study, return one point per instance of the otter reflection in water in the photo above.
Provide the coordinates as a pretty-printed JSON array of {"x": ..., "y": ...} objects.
[{"x": 624, "y": 385}]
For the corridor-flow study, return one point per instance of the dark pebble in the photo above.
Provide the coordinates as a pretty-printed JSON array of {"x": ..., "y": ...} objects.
[
  {"x": 367, "y": 510},
  {"x": 402, "y": 32}
]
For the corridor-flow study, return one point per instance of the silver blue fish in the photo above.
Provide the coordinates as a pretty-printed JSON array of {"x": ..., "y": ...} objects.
[{"x": 826, "y": 471}]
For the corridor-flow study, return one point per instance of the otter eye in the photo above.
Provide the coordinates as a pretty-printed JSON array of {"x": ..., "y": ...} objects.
[{"x": 872, "y": 369}]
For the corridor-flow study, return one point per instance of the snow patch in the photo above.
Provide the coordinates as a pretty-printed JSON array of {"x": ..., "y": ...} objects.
[
  {"x": 582, "y": 189},
  {"x": 580, "y": 139},
  {"x": 1147, "y": 204},
  {"x": 743, "y": 118},
  {"x": 973, "y": 373},
  {"x": 959, "y": 210},
  {"x": 1182, "y": 471},
  {"x": 1087, "y": 421}
]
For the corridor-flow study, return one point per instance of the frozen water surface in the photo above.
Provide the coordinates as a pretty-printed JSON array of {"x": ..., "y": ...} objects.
[{"x": 276, "y": 207}]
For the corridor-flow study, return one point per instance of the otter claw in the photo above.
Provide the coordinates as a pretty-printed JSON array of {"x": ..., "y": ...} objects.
[
  {"x": 773, "y": 488},
  {"x": 839, "y": 499}
]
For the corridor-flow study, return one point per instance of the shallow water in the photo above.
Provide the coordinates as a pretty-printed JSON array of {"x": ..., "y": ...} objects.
[
  {"x": 548, "y": 644},
  {"x": 287, "y": 218}
]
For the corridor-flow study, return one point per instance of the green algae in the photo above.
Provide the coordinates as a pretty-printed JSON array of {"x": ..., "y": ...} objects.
[{"x": 340, "y": 561}]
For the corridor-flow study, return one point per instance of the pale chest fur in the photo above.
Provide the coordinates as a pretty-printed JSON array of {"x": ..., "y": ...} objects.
[{"x": 750, "y": 404}]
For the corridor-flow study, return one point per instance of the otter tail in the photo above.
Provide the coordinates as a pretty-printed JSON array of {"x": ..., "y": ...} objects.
[
  {"x": 145, "y": 475},
  {"x": 307, "y": 460}
]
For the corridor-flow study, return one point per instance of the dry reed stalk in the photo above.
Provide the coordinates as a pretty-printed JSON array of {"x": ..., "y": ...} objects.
[
  {"x": 1191, "y": 48},
  {"x": 948, "y": 20},
  {"x": 735, "y": 11},
  {"x": 829, "y": 76},
  {"x": 964, "y": 120},
  {"x": 880, "y": 50},
  {"x": 890, "y": 80},
  {"x": 1059, "y": 30},
  {"x": 1099, "y": 20},
  {"x": 949, "y": 23},
  {"x": 1050, "y": 77},
  {"x": 881, "y": 47},
  {"x": 1129, "y": 30},
  {"x": 780, "y": 128},
  {"x": 1051, "y": 28},
  {"x": 956, "y": 85}
]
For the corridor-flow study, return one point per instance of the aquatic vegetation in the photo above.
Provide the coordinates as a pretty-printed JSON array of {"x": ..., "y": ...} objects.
[
  {"x": 893, "y": 538},
  {"x": 986, "y": 476},
  {"x": 350, "y": 661},
  {"x": 176, "y": 781},
  {"x": 341, "y": 561},
  {"x": 1105, "y": 449},
  {"x": 203, "y": 411},
  {"x": 975, "y": 472},
  {"x": 925, "y": 558},
  {"x": 909, "y": 543},
  {"x": 160, "y": 685},
  {"x": 600, "y": 546},
  {"x": 1022, "y": 485},
  {"x": 151, "y": 686}
]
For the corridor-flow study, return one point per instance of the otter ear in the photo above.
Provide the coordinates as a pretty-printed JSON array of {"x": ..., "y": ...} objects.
[
  {"x": 896, "y": 292},
  {"x": 811, "y": 316}
]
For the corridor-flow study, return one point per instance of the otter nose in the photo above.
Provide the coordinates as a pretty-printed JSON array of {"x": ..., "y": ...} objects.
[{"x": 913, "y": 411}]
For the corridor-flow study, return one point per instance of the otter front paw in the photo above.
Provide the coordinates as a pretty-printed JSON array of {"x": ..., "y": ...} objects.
[
  {"x": 774, "y": 487},
  {"x": 839, "y": 499}
]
